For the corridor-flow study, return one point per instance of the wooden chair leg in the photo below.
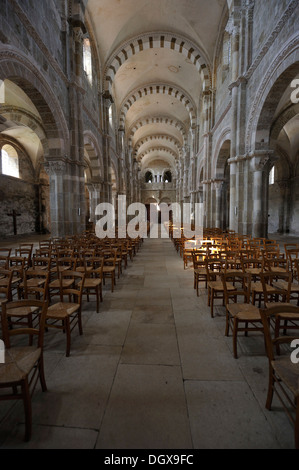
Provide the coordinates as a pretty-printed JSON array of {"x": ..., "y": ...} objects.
[
  {"x": 270, "y": 390},
  {"x": 27, "y": 409},
  {"x": 227, "y": 324},
  {"x": 98, "y": 299},
  {"x": 68, "y": 336},
  {"x": 80, "y": 322},
  {"x": 235, "y": 336},
  {"x": 42, "y": 375}
]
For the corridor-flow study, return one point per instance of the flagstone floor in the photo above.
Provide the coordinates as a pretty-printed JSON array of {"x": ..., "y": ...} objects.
[{"x": 152, "y": 370}]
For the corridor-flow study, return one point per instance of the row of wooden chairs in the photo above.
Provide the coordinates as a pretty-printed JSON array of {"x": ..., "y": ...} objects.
[
  {"x": 258, "y": 285},
  {"x": 33, "y": 313}
]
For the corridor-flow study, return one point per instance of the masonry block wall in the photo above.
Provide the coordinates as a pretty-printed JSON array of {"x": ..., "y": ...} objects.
[{"x": 40, "y": 38}]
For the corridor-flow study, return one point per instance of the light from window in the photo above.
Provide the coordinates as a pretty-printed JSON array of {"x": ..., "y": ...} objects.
[
  {"x": 272, "y": 175},
  {"x": 111, "y": 115},
  {"x": 87, "y": 62},
  {"x": 10, "y": 161}
]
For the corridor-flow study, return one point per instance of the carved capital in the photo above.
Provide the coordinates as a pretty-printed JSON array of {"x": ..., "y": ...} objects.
[
  {"x": 260, "y": 159},
  {"x": 218, "y": 184},
  {"x": 55, "y": 167}
]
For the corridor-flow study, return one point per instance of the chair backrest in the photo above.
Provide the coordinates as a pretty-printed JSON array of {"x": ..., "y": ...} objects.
[
  {"x": 269, "y": 278},
  {"x": 242, "y": 286},
  {"x": 67, "y": 261},
  {"x": 255, "y": 263},
  {"x": 76, "y": 289},
  {"x": 270, "y": 316},
  {"x": 5, "y": 253},
  {"x": 17, "y": 264},
  {"x": 41, "y": 262},
  {"x": 5, "y": 286},
  {"x": 198, "y": 257},
  {"x": 39, "y": 287},
  {"x": 98, "y": 264},
  {"x": 213, "y": 265},
  {"x": 21, "y": 304},
  {"x": 26, "y": 253}
]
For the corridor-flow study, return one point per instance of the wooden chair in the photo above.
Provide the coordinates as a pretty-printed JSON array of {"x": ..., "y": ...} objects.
[
  {"x": 65, "y": 315},
  {"x": 35, "y": 286},
  {"x": 199, "y": 268},
  {"x": 214, "y": 268},
  {"x": 109, "y": 270},
  {"x": 5, "y": 253},
  {"x": 16, "y": 264},
  {"x": 26, "y": 253},
  {"x": 276, "y": 287},
  {"x": 5, "y": 285},
  {"x": 292, "y": 257},
  {"x": 241, "y": 315},
  {"x": 61, "y": 265},
  {"x": 283, "y": 372},
  {"x": 23, "y": 365},
  {"x": 255, "y": 267},
  {"x": 93, "y": 282}
]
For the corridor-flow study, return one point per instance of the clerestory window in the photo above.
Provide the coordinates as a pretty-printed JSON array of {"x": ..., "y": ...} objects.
[{"x": 9, "y": 161}]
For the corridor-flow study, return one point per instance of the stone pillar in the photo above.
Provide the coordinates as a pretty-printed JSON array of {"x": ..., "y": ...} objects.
[
  {"x": 75, "y": 206},
  {"x": 259, "y": 215},
  {"x": 207, "y": 101},
  {"x": 233, "y": 208},
  {"x": 218, "y": 186},
  {"x": 186, "y": 162},
  {"x": 56, "y": 169},
  {"x": 284, "y": 214},
  {"x": 94, "y": 190}
]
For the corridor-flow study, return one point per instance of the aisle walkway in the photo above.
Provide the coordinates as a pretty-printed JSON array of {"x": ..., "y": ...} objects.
[{"x": 152, "y": 371}]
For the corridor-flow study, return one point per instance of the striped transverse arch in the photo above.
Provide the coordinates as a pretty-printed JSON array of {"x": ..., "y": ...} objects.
[
  {"x": 157, "y": 40},
  {"x": 161, "y": 137},
  {"x": 168, "y": 120},
  {"x": 159, "y": 89}
]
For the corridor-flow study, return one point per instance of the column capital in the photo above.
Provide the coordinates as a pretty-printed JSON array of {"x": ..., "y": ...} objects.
[
  {"x": 57, "y": 167},
  {"x": 259, "y": 159},
  {"x": 217, "y": 184}
]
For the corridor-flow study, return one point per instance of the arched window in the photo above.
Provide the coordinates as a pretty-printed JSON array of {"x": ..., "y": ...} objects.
[
  {"x": 272, "y": 175},
  {"x": 148, "y": 177},
  {"x": 167, "y": 177},
  {"x": 87, "y": 61},
  {"x": 9, "y": 161}
]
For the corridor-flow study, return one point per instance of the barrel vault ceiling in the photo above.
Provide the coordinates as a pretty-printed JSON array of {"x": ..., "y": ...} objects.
[{"x": 156, "y": 59}]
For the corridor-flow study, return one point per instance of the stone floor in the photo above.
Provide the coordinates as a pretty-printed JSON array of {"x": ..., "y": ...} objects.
[{"x": 152, "y": 370}]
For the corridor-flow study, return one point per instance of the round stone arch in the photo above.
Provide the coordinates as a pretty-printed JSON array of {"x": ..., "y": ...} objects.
[
  {"x": 19, "y": 70},
  {"x": 114, "y": 177},
  {"x": 159, "y": 88},
  {"x": 221, "y": 154},
  {"x": 152, "y": 40},
  {"x": 168, "y": 120},
  {"x": 275, "y": 81},
  {"x": 221, "y": 179},
  {"x": 27, "y": 119},
  {"x": 94, "y": 154}
]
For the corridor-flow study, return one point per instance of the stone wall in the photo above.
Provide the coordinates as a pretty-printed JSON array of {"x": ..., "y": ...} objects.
[{"x": 21, "y": 196}]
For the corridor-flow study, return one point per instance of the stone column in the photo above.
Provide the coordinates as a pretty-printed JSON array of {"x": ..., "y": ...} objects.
[
  {"x": 94, "y": 198},
  {"x": 56, "y": 169},
  {"x": 233, "y": 208},
  {"x": 218, "y": 186},
  {"x": 259, "y": 217},
  {"x": 284, "y": 187}
]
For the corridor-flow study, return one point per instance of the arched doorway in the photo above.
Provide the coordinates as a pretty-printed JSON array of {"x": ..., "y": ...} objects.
[{"x": 272, "y": 135}]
